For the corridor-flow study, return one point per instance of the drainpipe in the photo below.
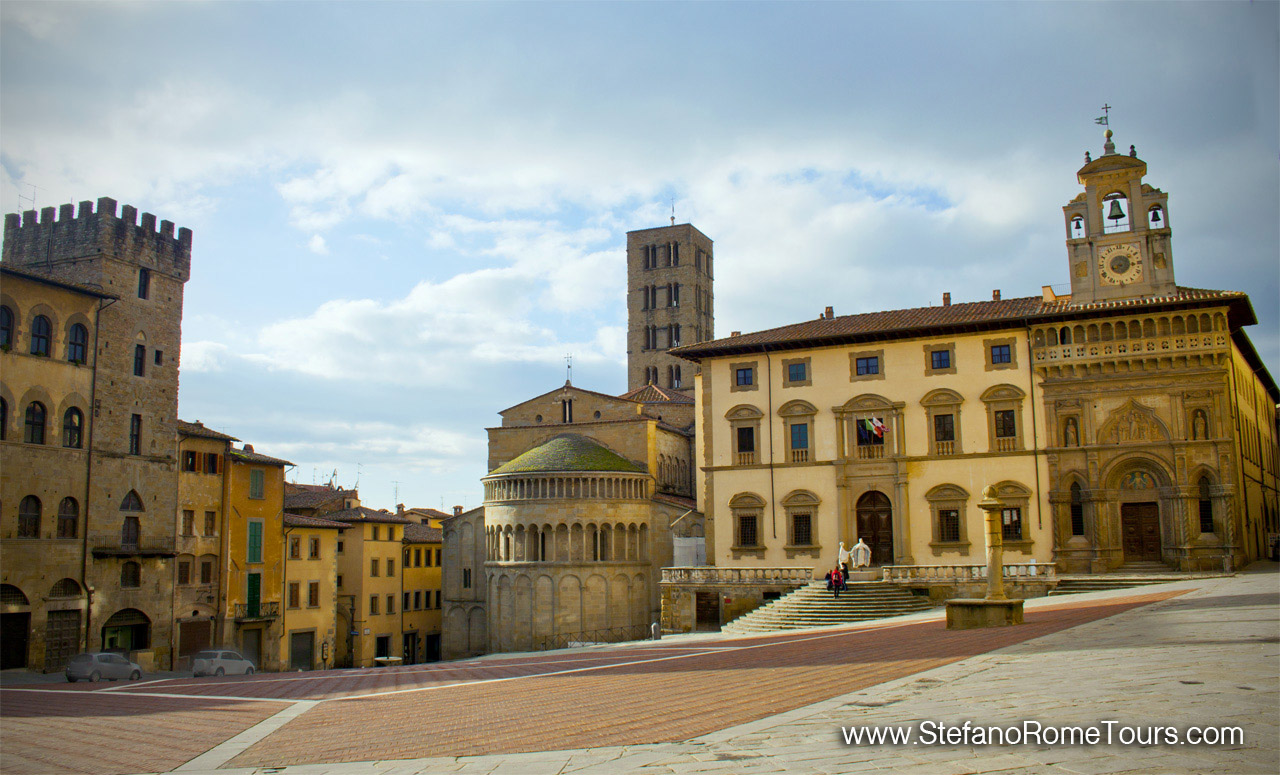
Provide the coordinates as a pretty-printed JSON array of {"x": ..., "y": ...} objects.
[
  {"x": 88, "y": 478},
  {"x": 773, "y": 505},
  {"x": 1035, "y": 441}
]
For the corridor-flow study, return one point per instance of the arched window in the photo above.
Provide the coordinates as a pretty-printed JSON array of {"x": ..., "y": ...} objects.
[
  {"x": 78, "y": 344},
  {"x": 73, "y": 428},
  {"x": 41, "y": 335},
  {"x": 6, "y": 327},
  {"x": 1206, "y": 506},
  {"x": 131, "y": 502},
  {"x": 68, "y": 518},
  {"x": 29, "y": 517},
  {"x": 1077, "y": 510},
  {"x": 34, "y": 432},
  {"x": 131, "y": 575}
]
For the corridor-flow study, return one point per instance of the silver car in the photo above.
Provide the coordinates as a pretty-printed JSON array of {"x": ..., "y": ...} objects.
[
  {"x": 96, "y": 665},
  {"x": 220, "y": 663}
]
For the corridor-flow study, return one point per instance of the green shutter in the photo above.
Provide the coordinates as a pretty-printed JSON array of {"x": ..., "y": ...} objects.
[
  {"x": 255, "y": 542},
  {"x": 253, "y": 592}
]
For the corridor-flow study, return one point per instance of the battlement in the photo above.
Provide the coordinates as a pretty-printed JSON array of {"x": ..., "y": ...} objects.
[{"x": 61, "y": 234}]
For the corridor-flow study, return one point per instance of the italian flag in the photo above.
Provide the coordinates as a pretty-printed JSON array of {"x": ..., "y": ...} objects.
[{"x": 874, "y": 425}]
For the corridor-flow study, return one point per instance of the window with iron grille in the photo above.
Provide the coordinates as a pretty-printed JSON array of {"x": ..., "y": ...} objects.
[
  {"x": 1011, "y": 524},
  {"x": 802, "y": 528},
  {"x": 948, "y": 525},
  {"x": 747, "y": 530}
]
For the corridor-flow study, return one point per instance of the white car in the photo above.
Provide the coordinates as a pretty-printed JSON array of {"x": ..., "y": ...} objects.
[{"x": 221, "y": 663}]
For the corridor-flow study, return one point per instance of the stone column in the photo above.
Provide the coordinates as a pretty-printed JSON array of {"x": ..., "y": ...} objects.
[{"x": 991, "y": 506}]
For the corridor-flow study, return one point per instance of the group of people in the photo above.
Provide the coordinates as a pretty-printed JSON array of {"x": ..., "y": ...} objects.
[{"x": 838, "y": 577}]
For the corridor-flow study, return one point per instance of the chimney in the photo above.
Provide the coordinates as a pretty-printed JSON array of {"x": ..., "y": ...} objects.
[
  {"x": 735, "y": 333},
  {"x": 457, "y": 510},
  {"x": 995, "y": 295},
  {"x": 1047, "y": 294},
  {"x": 830, "y": 313},
  {"x": 946, "y": 299},
  {"x": 248, "y": 447},
  {"x": 399, "y": 508}
]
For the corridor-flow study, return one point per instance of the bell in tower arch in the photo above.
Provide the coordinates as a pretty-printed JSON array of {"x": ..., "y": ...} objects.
[{"x": 1115, "y": 213}]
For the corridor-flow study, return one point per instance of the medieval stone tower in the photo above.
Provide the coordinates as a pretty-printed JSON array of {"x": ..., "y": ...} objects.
[
  {"x": 669, "y": 303},
  {"x": 129, "y": 493}
]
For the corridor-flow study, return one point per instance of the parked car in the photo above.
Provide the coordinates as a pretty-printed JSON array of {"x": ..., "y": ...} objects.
[
  {"x": 220, "y": 663},
  {"x": 93, "y": 666}
]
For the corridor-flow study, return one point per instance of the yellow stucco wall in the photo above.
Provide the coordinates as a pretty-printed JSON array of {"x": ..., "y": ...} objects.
[
  {"x": 359, "y": 585},
  {"x": 903, "y": 382},
  {"x": 243, "y": 511},
  {"x": 421, "y": 562},
  {"x": 315, "y": 625}
]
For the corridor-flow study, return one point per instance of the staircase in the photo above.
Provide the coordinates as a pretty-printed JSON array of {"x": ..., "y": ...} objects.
[
  {"x": 1132, "y": 574},
  {"x": 815, "y": 606}
]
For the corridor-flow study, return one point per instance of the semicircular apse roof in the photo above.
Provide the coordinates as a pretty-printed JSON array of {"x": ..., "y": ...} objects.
[{"x": 568, "y": 452}]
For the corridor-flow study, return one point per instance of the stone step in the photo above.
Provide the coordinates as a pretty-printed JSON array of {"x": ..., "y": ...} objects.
[{"x": 815, "y": 606}]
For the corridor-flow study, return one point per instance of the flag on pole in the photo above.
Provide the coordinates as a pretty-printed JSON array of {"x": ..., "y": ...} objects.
[
  {"x": 878, "y": 426},
  {"x": 1102, "y": 120}
]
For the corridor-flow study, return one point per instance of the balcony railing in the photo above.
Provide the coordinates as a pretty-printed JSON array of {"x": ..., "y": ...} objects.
[
  {"x": 946, "y": 448},
  {"x": 1006, "y": 443},
  {"x": 799, "y": 456},
  {"x": 248, "y": 612},
  {"x": 1131, "y": 348},
  {"x": 946, "y": 574},
  {"x": 746, "y": 458},
  {"x": 710, "y": 574},
  {"x": 870, "y": 451}
]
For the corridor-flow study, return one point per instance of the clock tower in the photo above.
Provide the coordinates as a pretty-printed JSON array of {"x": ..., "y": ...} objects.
[{"x": 1118, "y": 231}]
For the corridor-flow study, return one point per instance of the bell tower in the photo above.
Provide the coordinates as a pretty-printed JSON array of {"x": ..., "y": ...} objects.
[
  {"x": 1118, "y": 231},
  {"x": 669, "y": 303}
]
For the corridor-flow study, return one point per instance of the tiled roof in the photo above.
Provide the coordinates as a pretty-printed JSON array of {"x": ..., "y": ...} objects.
[
  {"x": 433, "y": 513},
  {"x": 300, "y": 520},
  {"x": 568, "y": 452},
  {"x": 198, "y": 429},
  {"x": 418, "y": 533},
  {"x": 676, "y": 500},
  {"x": 928, "y": 321},
  {"x": 30, "y": 273},
  {"x": 363, "y": 514},
  {"x": 249, "y": 456},
  {"x": 652, "y": 394},
  {"x": 309, "y": 496}
]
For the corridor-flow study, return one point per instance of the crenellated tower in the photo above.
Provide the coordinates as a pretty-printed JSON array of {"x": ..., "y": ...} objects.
[{"x": 1118, "y": 231}]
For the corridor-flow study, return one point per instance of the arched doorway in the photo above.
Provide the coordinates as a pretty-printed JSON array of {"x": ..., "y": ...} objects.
[
  {"x": 127, "y": 630},
  {"x": 874, "y": 514},
  {"x": 15, "y": 627}
]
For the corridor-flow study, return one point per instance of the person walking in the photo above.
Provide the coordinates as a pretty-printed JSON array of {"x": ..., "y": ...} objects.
[{"x": 837, "y": 580}]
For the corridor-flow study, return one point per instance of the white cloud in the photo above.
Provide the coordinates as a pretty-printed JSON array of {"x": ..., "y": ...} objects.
[{"x": 316, "y": 245}]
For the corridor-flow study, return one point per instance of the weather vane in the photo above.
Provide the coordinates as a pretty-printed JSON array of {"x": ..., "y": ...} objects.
[
  {"x": 568, "y": 365},
  {"x": 1105, "y": 118},
  {"x": 673, "y": 211}
]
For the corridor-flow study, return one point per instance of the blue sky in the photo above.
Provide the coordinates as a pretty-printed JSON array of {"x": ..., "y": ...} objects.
[{"x": 405, "y": 214}]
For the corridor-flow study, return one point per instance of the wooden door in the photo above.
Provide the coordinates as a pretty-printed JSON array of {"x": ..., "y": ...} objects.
[
  {"x": 251, "y": 647},
  {"x": 707, "y": 611},
  {"x": 875, "y": 526},
  {"x": 61, "y": 639},
  {"x": 14, "y": 631},
  {"x": 1141, "y": 525}
]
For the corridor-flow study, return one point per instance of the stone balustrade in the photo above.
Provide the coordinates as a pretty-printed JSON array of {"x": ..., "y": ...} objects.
[
  {"x": 710, "y": 574},
  {"x": 951, "y": 574},
  {"x": 1132, "y": 348}
]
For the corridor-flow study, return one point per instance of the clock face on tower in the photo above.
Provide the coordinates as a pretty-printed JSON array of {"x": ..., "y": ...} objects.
[{"x": 1120, "y": 264}]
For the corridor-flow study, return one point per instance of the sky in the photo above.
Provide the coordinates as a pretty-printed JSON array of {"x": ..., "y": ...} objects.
[{"x": 406, "y": 214}]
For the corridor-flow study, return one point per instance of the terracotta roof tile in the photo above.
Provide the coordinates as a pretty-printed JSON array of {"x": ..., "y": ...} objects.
[
  {"x": 364, "y": 514},
  {"x": 298, "y": 520},
  {"x": 309, "y": 496},
  {"x": 249, "y": 456},
  {"x": 198, "y": 429},
  {"x": 925, "y": 321},
  {"x": 418, "y": 533},
  {"x": 653, "y": 394}
]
